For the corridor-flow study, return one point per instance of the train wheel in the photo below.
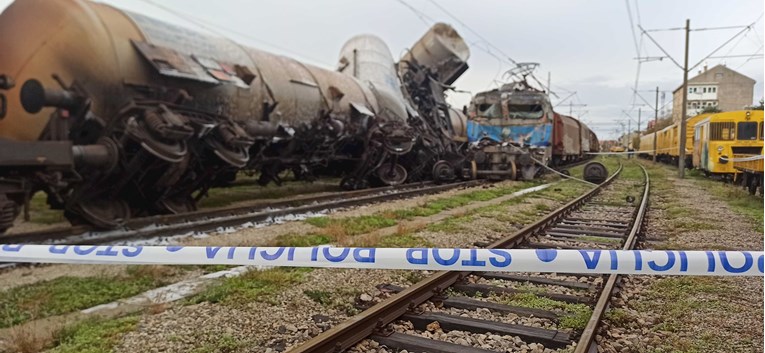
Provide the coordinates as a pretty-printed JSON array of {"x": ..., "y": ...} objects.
[
  {"x": 348, "y": 183},
  {"x": 753, "y": 184},
  {"x": 8, "y": 212},
  {"x": 391, "y": 173},
  {"x": 177, "y": 205},
  {"x": 443, "y": 172},
  {"x": 595, "y": 172},
  {"x": 514, "y": 171},
  {"x": 102, "y": 213}
]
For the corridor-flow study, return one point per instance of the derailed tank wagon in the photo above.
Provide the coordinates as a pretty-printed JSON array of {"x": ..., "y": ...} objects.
[{"x": 115, "y": 114}]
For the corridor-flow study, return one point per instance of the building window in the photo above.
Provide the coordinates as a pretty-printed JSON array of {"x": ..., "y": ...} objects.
[
  {"x": 713, "y": 89},
  {"x": 704, "y": 90}
]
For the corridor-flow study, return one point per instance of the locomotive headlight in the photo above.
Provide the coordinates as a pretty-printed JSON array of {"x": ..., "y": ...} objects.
[{"x": 719, "y": 149}]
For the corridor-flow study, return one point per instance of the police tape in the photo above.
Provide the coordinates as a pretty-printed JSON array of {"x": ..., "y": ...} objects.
[
  {"x": 636, "y": 262},
  {"x": 627, "y": 152},
  {"x": 743, "y": 159}
]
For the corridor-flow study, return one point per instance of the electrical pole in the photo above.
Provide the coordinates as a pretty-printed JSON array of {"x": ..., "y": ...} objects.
[
  {"x": 571, "y": 106},
  {"x": 629, "y": 133},
  {"x": 622, "y": 138},
  {"x": 656, "y": 124},
  {"x": 638, "y": 146},
  {"x": 681, "y": 162}
]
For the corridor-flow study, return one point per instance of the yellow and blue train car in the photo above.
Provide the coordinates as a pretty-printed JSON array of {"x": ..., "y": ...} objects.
[{"x": 721, "y": 137}]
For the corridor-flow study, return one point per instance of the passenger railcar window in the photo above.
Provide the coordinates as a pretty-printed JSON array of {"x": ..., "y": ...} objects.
[
  {"x": 722, "y": 131},
  {"x": 525, "y": 111},
  {"x": 747, "y": 131},
  {"x": 761, "y": 131}
]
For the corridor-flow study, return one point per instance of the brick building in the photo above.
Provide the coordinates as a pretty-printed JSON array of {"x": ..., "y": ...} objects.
[{"x": 718, "y": 87}]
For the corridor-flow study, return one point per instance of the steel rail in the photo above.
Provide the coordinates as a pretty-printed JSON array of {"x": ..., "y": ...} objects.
[
  {"x": 590, "y": 331},
  {"x": 53, "y": 234},
  {"x": 348, "y": 333},
  {"x": 248, "y": 213}
]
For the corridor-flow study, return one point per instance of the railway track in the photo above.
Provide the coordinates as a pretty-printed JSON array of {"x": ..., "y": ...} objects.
[
  {"x": 212, "y": 219},
  {"x": 484, "y": 306},
  {"x": 219, "y": 219}
]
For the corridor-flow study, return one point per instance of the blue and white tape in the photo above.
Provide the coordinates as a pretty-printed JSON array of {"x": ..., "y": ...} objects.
[
  {"x": 636, "y": 262},
  {"x": 628, "y": 152},
  {"x": 744, "y": 159}
]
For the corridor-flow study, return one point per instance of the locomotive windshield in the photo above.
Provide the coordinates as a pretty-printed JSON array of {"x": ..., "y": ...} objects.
[
  {"x": 525, "y": 111},
  {"x": 489, "y": 110},
  {"x": 747, "y": 131}
]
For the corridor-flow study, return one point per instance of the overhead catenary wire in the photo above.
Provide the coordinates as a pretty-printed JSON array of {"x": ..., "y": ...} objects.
[
  {"x": 759, "y": 56},
  {"x": 421, "y": 15},
  {"x": 635, "y": 42},
  {"x": 660, "y": 47},
  {"x": 735, "y": 56},
  {"x": 643, "y": 99},
  {"x": 721, "y": 46},
  {"x": 475, "y": 44},
  {"x": 632, "y": 27},
  {"x": 489, "y": 44}
]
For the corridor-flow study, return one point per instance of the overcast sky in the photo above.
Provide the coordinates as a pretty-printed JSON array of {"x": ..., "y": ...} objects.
[{"x": 586, "y": 45}]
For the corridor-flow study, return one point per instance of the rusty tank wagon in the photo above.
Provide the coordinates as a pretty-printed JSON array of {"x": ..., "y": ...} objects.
[{"x": 114, "y": 114}]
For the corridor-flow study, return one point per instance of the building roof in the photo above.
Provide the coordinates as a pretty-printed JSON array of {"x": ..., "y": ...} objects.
[{"x": 701, "y": 78}]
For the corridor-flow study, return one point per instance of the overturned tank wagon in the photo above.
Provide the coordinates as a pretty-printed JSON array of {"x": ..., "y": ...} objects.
[{"x": 115, "y": 114}]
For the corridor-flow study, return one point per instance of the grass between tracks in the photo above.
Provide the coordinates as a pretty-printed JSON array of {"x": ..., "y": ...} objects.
[
  {"x": 246, "y": 188},
  {"x": 695, "y": 314},
  {"x": 261, "y": 285},
  {"x": 685, "y": 218},
  {"x": 251, "y": 286},
  {"x": 67, "y": 294},
  {"x": 93, "y": 336},
  {"x": 736, "y": 197},
  {"x": 574, "y": 316},
  {"x": 341, "y": 230}
]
